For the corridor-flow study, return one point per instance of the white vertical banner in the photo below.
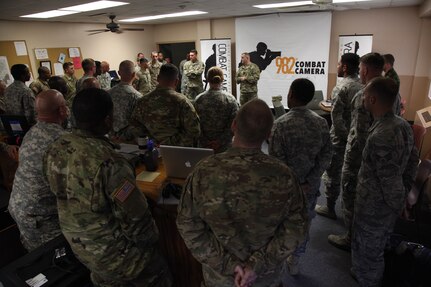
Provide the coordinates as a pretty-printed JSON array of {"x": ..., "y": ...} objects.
[
  {"x": 286, "y": 47},
  {"x": 218, "y": 52},
  {"x": 356, "y": 44}
]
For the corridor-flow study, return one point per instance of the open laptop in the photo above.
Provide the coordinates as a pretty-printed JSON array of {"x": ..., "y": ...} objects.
[
  {"x": 179, "y": 161},
  {"x": 315, "y": 102},
  {"x": 114, "y": 75},
  {"x": 16, "y": 127}
]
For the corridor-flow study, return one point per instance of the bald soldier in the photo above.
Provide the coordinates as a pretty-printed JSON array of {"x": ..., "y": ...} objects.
[
  {"x": 387, "y": 173},
  {"x": 242, "y": 212},
  {"x": 41, "y": 83},
  {"x": 166, "y": 116},
  {"x": 32, "y": 204},
  {"x": 247, "y": 76},
  {"x": 103, "y": 214},
  {"x": 124, "y": 96},
  {"x": 104, "y": 78}
]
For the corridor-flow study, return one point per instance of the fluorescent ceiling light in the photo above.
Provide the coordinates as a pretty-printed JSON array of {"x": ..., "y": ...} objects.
[
  {"x": 347, "y": 1},
  {"x": 50, "y": 14},
  {"x": 94, "y": 6},
  {"x": 286, "y": 4},
  {"x": 148, "y": 18}
]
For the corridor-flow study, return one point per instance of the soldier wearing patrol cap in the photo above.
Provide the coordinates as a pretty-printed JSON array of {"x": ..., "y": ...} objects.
[{"x": 103, "y": 215}]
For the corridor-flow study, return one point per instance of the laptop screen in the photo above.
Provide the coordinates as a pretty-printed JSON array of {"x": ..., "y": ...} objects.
[
  {"x": 114, "y": 75},
  {"x": 15, "y": 125},
  {"x": 180, "y": 161}
]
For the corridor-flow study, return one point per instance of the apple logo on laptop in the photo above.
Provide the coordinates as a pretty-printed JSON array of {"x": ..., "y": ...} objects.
[{"x": 188, "y": 164}]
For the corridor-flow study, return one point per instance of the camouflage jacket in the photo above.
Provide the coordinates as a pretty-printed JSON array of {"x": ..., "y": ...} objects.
[
  {"x": 154, "y": 69},
  {"x": 31, "y": 199},
  {"x": 124, "y": 97},
  {"x": 342, "y": 96},
  {"x": 251, "y": 73},
  {"x": 242, "y": 207},
  {"x": 388, "y": 169},
  {"x": 392, "y": 74},
  {"x": 300, "y": 138},
  {"x": 104, "y": 80},
  {"x": 103, "y": 214},
  {"x": 38, "y": 86},
  {"x": 143, "y": 82},
  {"x": 19, "y": 100},
  {"x": 216, "y": 110},
  {"x": 193, "y": 71},
  {"x": 80, "y": 81},
  {"x": 168, "y": 117},
  {"x": 71, "y": 89}
]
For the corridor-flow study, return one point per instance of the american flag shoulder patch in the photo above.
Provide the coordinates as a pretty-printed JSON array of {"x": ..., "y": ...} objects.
[{"x": 124, "y": 191}]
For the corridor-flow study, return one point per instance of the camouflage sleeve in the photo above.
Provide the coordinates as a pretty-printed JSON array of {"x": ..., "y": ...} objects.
[
  {"x": 238, "y": 75},
  {"x": 384, "y": 157},
  {"x": 29, "y": 111},
  {"x": 289, "y": 234},
  {"x": 409, "y": 174},
  {"x": 323, "y": 159},
  {"x": 276, "y": 143},
  {"x": 199, "y": 238},
  {"x": 128, "y": 203},
  {"x": 254, "y": 75},
  {"x": 137, "y": 127},
  {"x": 338, "y": 108},
  {"x": 190, "y": 123}
]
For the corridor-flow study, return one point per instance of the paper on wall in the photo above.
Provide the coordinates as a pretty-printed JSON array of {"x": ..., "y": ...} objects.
[
  {"x": 41, "y": 54},
  {"x": 20, "y": 48},
  {"x": 58, "y": 69},
  {"x": 74, "y": 52}
]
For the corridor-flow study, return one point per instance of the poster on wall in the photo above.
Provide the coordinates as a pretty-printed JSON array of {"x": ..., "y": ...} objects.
[
  {"x": 285, "y": 47},
  {"x": 356, "y": 44},
  {"x": 217, "y": 52}
]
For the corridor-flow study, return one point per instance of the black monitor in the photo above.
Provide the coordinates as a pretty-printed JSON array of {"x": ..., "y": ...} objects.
[{"x": 114, "y": 75}]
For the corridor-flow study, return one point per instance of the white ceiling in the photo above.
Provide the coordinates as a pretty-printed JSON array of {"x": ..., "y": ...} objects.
[{"x": 12, "y": 9}]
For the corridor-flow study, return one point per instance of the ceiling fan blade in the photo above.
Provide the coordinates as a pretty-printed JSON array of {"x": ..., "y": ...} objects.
[
  {"x": 94, "y": 33},
  {"x": 133, "y": 29},
  {"x": 97, "y": 30}
]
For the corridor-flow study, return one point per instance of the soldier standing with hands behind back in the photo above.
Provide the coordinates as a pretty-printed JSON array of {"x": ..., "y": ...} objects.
[{"x": 193, "y": 70}]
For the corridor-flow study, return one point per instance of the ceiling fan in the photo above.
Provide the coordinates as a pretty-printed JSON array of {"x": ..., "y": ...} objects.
[
  {"x": 113, "y": 27},
  {"x": 316, "y": 5}
]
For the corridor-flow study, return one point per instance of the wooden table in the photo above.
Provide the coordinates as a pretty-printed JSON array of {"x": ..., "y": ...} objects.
[
  {"x": 185, "y": 269},
  {"x": 324, "y": 108}
]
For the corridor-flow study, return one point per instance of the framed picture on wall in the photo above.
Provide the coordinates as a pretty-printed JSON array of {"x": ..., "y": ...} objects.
[{"x": 46, "y": 64}]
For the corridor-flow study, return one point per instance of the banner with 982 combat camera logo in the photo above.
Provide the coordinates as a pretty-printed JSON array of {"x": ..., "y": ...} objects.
[{"x": 285, "y": 47}]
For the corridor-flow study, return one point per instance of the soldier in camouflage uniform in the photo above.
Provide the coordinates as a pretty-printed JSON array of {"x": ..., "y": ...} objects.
[
  {"x": 183, "y": 77},
  {"x": 154, "y": 68},
  {"x": 69, "y": 77},
  {"x": 41, "y": 83},
  {"x": 124, "y": 97},
  {"x": 247, "y": 76},
  {"x": 242, "y": 213},
  {"x": 216, "y": 110},
  {"x": 2, "y": 104},
  {"x": 300, "y": 138},
  {"x": 387, "y": 173},
  {"x": 193, "y": 70},
  {"x": 342, "y": 96},
  {"x": 89, "y": 67},
  {"x": 32, "y": 204},
  {"x": 166, "y": 116},
  {"x": 105, "y": 78},
  {"x": 18, "y": 98},
  {"x": 143, "y": 82},
  {"x": 103, "y": 214},
  {"x": 371, "y": 66},
  {"x": 390, "y": 72}
]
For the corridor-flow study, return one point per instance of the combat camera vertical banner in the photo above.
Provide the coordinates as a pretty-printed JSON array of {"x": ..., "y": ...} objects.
[
  {"x": 217, "y": 53},
  {"x": 285, "y": 47},
  {"x": 356, "y": 44}
]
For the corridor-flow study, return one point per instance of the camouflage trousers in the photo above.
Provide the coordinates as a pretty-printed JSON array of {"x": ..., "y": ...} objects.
[
  {"x": 156, "y": 274},
  {"x": 192, "y": 92},
  {"x": 332, "y": 176},
  {"x": 245, "y": 97},
  {"x": 38, "y": 230},
  {"x": 371, "y": 231},
  {"x": 311, "y": 198},
  {"x": 349, "y": 180}
]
